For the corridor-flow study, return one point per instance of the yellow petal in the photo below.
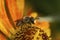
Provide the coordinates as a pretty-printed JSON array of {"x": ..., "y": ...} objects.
[
  {"x": 3, "y": 29},
  {"x": 4, "y": 17}
]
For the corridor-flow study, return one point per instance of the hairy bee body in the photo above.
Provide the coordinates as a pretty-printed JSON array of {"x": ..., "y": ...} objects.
[{"x": 29, "y": 20}]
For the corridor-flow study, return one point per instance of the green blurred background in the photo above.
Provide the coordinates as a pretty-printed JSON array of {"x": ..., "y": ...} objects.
[{"x": 47, "y": 8}]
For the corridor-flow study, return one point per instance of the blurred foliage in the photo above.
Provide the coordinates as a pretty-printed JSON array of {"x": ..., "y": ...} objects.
[{"x": 46, "y": 7}]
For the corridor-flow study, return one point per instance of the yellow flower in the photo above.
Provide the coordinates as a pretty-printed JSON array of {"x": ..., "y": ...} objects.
[{"x": 12, "y": 10}]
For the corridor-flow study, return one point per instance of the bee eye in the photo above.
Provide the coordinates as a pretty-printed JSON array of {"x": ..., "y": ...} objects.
[{"x": 32, "y": 20}]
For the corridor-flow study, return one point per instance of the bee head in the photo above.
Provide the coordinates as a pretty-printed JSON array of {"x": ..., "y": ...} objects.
[{"x": 28, "y": 19}]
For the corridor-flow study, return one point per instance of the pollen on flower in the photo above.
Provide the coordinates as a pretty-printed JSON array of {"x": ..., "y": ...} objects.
[{"x": 27, "y": 31}]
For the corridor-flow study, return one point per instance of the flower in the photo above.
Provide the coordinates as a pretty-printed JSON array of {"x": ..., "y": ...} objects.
[{"x": 12, "y": 10}]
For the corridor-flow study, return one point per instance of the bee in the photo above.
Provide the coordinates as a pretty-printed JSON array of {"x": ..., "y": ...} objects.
[{"x": 27, "y": 19}]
